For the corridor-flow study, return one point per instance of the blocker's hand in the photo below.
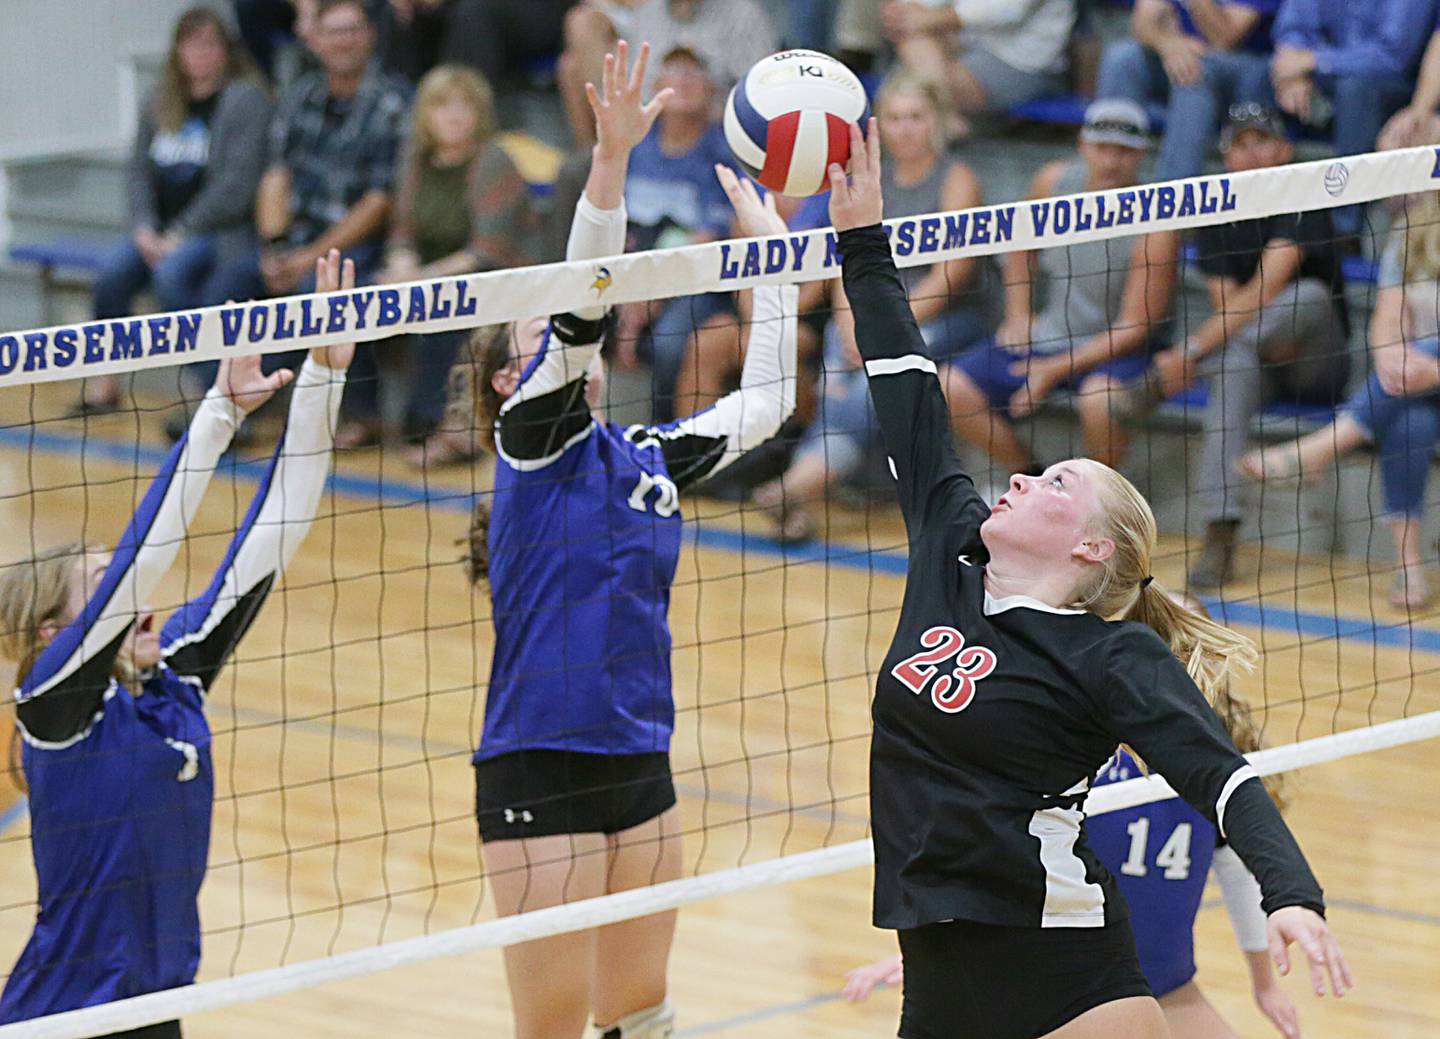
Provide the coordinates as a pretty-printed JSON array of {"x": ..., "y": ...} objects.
[
  {"x": 1308, "y": 928},
  {"x": 245, "y": 385},
  {"x": 856, "y": 201},
  {"x": 332, "y": 275},
  {"x": 755, "y": 216},
  {"x": 622, "y": 119}
]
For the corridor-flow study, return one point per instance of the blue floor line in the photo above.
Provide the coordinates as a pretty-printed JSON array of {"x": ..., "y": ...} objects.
[
  {"x": 399, "y": 492},
  {"x": 13, "y": 814}
]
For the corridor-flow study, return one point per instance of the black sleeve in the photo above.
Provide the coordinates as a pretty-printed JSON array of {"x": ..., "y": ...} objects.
[
  {"x": 914, "y": 419},
  {"x": 65, "y": 710},
  {"x": 206, "y": 655},
  {"x": 1152, "y": 704},
  {"x": 1210, "y": 244},
  {"x": 690, "y": 457},
  {"x": 550, "y": 410}
]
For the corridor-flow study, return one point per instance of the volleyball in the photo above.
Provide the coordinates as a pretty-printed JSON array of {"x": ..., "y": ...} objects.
[{"x": 789, "y": 117}]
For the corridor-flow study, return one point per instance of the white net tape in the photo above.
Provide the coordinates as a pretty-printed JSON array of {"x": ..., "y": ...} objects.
[{"x": 626, "y": 905}]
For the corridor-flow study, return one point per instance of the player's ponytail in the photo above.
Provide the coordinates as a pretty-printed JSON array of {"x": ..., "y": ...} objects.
[
  {"x": 1124, "y": 589},
  {"x": 474, "y": 403}
]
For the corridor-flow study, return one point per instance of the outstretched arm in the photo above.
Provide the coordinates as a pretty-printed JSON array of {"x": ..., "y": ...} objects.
[
  {"x": 1241, "y": 894},
  {"x": 547, "y": 411},
  {"x": 706, "y": 442},
  {"x": 914, "y": 419},
  {"x": 202, "y": 634},
  {"x": 64, "y": 688}
]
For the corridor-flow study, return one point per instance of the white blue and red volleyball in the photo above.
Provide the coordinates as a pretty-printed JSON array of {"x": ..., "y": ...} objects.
[{"x": 789, "y": 118}]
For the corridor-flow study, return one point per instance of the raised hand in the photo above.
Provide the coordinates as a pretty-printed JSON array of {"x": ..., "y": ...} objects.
[
  {"x": 1308, "y": 928},
  {"x": 332, "y": 275},
  {"x": 245, "y": 385},
  {"x": 755, "y": 216},
  {"x": 857, "y": 201},
  {"x": 621, "y": 119}
]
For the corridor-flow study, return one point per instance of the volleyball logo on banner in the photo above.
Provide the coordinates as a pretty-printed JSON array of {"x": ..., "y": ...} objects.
[{"x": 789, "y": 118}]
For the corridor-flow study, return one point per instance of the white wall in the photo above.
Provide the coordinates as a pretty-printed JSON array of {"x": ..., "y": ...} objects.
[{"x": 66, "y": 70}]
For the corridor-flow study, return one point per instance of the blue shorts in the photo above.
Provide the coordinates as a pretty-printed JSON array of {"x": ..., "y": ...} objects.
[{"x": 989, "y": 366}]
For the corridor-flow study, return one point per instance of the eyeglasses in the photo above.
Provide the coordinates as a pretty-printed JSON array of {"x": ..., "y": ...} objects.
[{"x": 1251, "y": 112}]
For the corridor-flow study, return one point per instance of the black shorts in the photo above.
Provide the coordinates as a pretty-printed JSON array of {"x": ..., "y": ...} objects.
[
  {"x": 965, "y": 979},
  {"x": 540, "y": 793}
]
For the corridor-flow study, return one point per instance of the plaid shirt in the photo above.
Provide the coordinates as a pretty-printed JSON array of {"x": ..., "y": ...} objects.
[{"x": 335, "y": 157}]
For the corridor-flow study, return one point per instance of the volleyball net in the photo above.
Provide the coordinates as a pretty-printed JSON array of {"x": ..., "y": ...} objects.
[{"x": 344, "y": 839}]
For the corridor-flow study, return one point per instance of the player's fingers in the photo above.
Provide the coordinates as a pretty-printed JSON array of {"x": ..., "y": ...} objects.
[
  {"x": 839, "y": 187},
  {"x": 726, "y": 176},
  {"x": 1278, "y": 953},
  {"x": 637, "y": 77},
  {"x": 658, "y": 102},
  {"x": 347, "y": 274},
  {"x": 620, "y": 82},
  {"x": 873, "y": 132},
  {"x": 607, "y": 76},
  {"x": 1340, "y": 980},
  {"x": 1315, "y": 955},
  {"x": 593, "y": 96},
  {"x": 858, "y": 161}
]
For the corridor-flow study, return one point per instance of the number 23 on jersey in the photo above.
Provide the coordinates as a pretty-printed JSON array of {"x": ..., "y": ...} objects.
[{"x": 943, "y": 646}]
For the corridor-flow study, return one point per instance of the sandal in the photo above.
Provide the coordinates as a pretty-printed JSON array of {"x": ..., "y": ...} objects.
[
  {"x": 1271, "y": 463},
  {"x": 1410, "y": 590},
  {"x": 441, "y": 448},
  {"x": 793, "y": 525}
]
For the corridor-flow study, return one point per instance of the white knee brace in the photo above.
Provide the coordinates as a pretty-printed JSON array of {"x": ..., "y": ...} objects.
[{"x": 657, "y": 1022}]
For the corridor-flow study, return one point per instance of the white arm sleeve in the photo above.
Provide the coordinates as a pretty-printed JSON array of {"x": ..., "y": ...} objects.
[
  {"x": 595, "y": 233},
  {"x": 1241, "y": 893},
  {"x": 755, "y": 412}
]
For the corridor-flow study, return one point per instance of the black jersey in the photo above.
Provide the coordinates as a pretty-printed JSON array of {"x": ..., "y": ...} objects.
[{"x": 992, "y": 715}]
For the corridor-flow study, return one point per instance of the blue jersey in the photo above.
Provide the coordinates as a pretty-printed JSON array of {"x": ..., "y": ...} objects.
[
  {"x": 121, "y": 783},
  {"x": 1159, "y": 855},
  {"x": 582, "y": 555},
  {"x": 584, "y": 540}
]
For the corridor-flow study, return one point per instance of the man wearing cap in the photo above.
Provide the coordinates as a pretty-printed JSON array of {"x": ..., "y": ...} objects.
[
  {"x": 1107, "y": 303},
  {"x": 1278, "y": 332},
  {"x": 1197, "y": 57}
]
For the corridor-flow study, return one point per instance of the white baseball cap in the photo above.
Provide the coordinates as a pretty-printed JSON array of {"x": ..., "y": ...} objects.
[{"x": 1116, "y": 120}]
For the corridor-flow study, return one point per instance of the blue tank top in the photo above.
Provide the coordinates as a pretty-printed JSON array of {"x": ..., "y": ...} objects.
[
  {"x": 1159, "y": 855},
  {"x": 120, "y": 832},
  {"x": 582, "y": 555}
]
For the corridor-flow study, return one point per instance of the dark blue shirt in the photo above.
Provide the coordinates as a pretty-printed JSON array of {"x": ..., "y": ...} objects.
[
  {"x": 1257, "y": 40},
  {"x": 1349, "y": 38}
]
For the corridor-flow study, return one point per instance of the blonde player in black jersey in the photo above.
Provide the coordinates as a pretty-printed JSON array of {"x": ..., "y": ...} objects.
[{"x": 1031, "y": 641}]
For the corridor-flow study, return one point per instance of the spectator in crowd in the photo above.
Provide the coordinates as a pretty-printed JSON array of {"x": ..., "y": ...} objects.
[
  {"x": 1360, "y": 58},
  {"x": 1198, "y": 57},
  {"x": 1419, "y": 121},
  {"x": 461, "y": 206},
  {"x": 1094, "y": 334},
  {"x": 197, "y": 157},
  {"x": 415, "y": 35},
  {"x": 728, "y": 35},
  {"x": 263, "y": 24},
  {"x": 497, "y": 37},
  {"x": 672, "y": 198},
  {"x": 333, "y": 150},
  {"x": 1278, "y": 330},
  {"x": 989, "y": 54},
  {"x": 1396, "y": 409},
  {"x": 918, "y": 177}
]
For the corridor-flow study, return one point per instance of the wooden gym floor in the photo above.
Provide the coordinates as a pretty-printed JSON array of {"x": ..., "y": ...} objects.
[{"x": 344, "y": 728}]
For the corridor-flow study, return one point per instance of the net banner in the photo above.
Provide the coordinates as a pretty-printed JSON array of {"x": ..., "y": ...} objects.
[{"x": 369, "y": 313}]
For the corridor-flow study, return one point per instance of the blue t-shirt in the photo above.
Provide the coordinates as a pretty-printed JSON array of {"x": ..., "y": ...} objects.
[
  {"x": 1159, "y": 855},
  {"x": 583, "y": 550},
  {"x": 669, "y": 198},
  {"x": 1257, "y": 41}
]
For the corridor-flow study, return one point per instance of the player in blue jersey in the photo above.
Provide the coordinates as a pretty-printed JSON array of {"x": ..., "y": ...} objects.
[
  {"x": 1160, "y": 855},
  {"x": 574, "y": 795},
  {"x": 112, "y": 709}
]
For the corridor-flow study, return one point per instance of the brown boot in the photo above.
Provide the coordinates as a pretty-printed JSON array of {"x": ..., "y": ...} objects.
[{"x": 1217, "y": 556}]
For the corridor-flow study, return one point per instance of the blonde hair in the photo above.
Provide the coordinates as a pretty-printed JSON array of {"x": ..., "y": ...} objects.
[
  {"x": 905, "y": 82},
  {"x": 32, "y": 592},
  {"x": 172, "y": 93},
  {"x": 439, "y": 84},
  {"x": 1422, "y": 238},
  {"x": 1212, "y": 653}
]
